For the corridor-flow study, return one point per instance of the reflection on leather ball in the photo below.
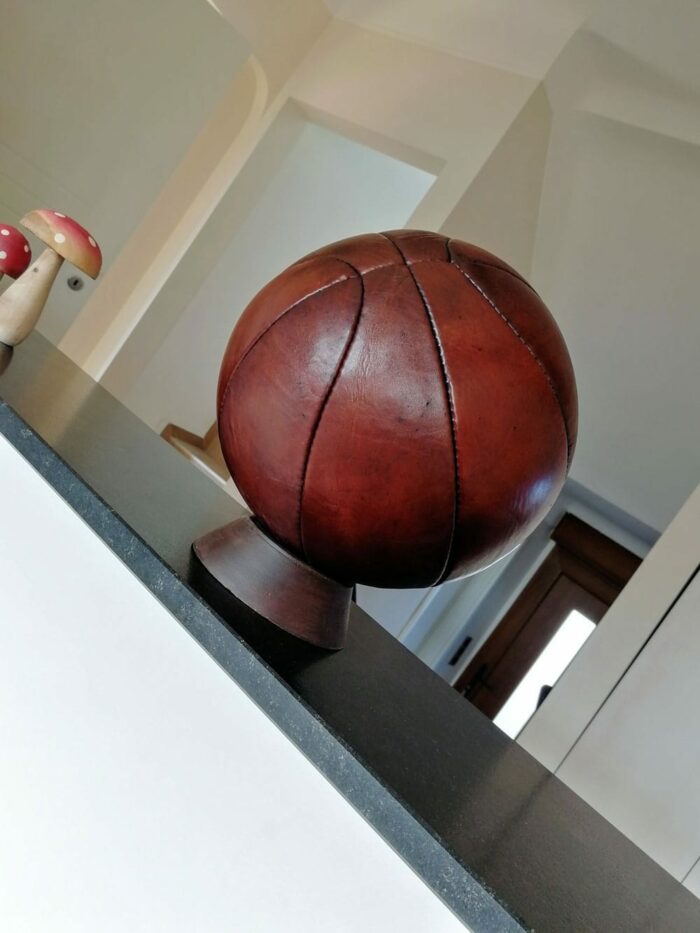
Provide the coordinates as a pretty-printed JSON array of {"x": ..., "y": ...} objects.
[{"x": 398, "y": 409}]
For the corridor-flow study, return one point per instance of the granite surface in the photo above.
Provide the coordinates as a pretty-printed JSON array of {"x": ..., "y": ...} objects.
[{"x": 503, "y": 842}]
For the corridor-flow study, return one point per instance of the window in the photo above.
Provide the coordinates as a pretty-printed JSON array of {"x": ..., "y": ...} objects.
[{"x": 544, "y": 673}]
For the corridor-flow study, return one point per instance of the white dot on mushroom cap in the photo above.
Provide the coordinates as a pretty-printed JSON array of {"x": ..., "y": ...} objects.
[
  {"x": 3, "y": 254},
  {"x": 59, "y": 238},
  {"x": 91, "y": 241},
  {"x": 59, "y": 214},
  {"x": 26, "y": 248},
  {"x": 5, "y": 232}
]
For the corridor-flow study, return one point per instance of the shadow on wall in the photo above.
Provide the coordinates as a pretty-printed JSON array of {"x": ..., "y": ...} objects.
[{"x": 306, "y": 187}]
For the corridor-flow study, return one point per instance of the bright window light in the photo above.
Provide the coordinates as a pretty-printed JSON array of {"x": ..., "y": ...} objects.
[{"x": 546, "y": 670}]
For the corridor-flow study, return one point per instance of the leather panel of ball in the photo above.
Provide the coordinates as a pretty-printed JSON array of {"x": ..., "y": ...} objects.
[
  {"x": 385, "y": 518},
  {"x": 270, "y": 426},
  {"x": 503, "y": 398}
]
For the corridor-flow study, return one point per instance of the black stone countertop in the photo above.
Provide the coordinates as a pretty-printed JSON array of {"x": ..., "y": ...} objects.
[{"x": 503, "y": 842}]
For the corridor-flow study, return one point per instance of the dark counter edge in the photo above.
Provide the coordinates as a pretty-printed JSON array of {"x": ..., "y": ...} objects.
[{"x": 414, "y": 842}]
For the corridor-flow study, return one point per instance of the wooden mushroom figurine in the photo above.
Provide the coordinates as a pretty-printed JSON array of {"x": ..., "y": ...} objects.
[
  {"x": 15, "y": 254},
  {"x": 22, "y": 303}
]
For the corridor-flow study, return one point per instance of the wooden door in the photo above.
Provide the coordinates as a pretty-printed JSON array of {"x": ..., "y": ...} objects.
[{"x": 584, "y": 572}]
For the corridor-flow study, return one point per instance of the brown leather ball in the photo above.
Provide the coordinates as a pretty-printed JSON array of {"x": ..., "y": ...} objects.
[{"x": 398, "y": 409}]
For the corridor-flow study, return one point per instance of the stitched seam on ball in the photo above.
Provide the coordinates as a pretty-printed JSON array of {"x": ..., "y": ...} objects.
[
  {"x": 324, "y": 403},
  {"x": 450, "y": 403},
  {"x": 475, "y": 262},
  {"x": 269, "y": 327},
  {"x": 481, "y": 262},
  {"x": 383, "y": 265},
  {"x": 525, "y": 343},
  {"x": 511, "y": 272},
  {"x": 414, "y": 262}
]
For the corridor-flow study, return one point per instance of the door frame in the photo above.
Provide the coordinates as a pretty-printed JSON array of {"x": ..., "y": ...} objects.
[{"x": 585, "y": 570}]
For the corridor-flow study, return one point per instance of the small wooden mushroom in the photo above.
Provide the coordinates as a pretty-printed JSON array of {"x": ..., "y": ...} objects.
[
  {"x": 15, "y": 254},
  {"x": 21, "y": 305}
]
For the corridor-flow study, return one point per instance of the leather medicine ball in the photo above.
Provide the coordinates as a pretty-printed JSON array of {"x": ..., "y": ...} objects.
[{"x": 398, "y": 409}]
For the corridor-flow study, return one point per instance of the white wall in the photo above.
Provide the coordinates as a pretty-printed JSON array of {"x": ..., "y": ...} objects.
[
  {"x": 420, "y": 106},
  {"x": 638, "y": 761},
  {"x": 205, "y": 250},
  {"x": 603, "y": 660},
  {"x": 98, "y": 103},
  {"x": 326, "y": 188},
  {"x": 394, "y": 609},
  {"x": 142, "y": 790},
  {"x": 509, "y": 34},
  {"x": 500, "y": 209},
  {"x": 616, "y": 260},
  {"x": 621, "y": 727},
  {"x": 414, "y": 102}
]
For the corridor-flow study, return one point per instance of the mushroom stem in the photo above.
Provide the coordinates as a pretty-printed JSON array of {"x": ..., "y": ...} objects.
[{"x": 21, "y": 305}]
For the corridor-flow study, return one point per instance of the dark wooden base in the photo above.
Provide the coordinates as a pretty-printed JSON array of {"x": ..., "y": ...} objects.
[{"x": 277, "y": 585}]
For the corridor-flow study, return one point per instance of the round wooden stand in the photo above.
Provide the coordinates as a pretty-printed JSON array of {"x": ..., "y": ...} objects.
[{"x": 277, "y": 585}]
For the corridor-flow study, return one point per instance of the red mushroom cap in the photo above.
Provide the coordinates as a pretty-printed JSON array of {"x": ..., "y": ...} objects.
[
  {"x": 67, "y": 238},
  {"x": 15, "y": 254}
]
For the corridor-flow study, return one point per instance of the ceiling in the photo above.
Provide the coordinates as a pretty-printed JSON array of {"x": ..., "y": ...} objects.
[
  {"x": 527, "y": 37},
  {"x": 524, "y": 37},
  {"x": 664, "y": 36}
]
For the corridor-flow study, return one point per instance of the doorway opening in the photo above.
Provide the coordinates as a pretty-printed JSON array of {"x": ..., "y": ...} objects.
[{"x": 513, "y": 672}]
